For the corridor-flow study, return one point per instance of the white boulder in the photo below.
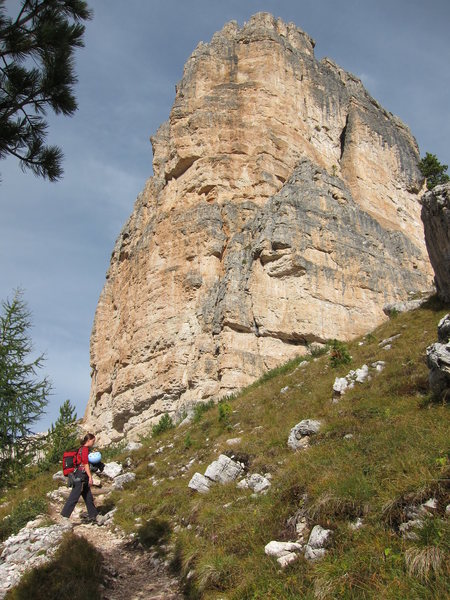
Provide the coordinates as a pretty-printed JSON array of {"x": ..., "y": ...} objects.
[
  {"x": 199, "y": 483},
  {"x": 313, "y": 554},
  {"x": 132, "y": 446},
  {"x": 278, "y": 549},
  {"x": 256, "y": 482},
  {"x": 319, "y": 537},
  {"x": 223, "y": 470},
  {"x": 121, "y": 480},
  {"x": 112, "y": 469},
  {"x": 340, "y": 385}
]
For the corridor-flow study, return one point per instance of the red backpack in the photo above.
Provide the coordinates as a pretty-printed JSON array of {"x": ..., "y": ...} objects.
[{"x": 71, "y": 460}]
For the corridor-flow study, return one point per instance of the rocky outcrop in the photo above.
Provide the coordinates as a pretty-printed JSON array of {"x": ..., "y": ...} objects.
[
  {"x": 436, "y": 220},
  {"x": 283, "y": 210},
  {"x": 33, "y": 546},
  {"x": 438, "y": 360}
]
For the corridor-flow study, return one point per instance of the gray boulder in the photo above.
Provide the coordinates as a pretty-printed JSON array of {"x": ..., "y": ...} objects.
[
  {"x": 405, "y": 306},
  {"x": 444, "y": 329},
  {"x": 112, "y": 469},
  {"x": 31, "y": 547},
  {"x": 256, "y": 482},
  {"x": 319, "y": 539},
  {"x": 285, "y": 552},
  {"x": 298, "y": 436},
  {"x": 59, "y": 476},
  {"x": 223, "y": 470},
  {"x": 121, "y": 480},
  {"x": 438, "y": 360},
  {"x": 199, "y": 483},
  {"x": 132, "y": 446}
]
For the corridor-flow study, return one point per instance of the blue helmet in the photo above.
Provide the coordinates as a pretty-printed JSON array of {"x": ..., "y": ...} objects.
[{"x": 95, "y": 457}]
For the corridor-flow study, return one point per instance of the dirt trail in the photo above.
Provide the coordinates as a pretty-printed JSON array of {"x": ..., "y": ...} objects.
[{"x": 131, "y": 573}]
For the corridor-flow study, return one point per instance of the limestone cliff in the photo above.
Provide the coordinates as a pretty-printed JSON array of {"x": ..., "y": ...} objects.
[
  {"x": 283, "y": 209},
  {"x": 436, "y": 219}
]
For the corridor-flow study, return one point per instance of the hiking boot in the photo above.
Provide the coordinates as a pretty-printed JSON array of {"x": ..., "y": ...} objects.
[
  {"x": 98, "y": 520},
  {"x": 64, "y": 521},
  {"x": 101, "y": 519}
]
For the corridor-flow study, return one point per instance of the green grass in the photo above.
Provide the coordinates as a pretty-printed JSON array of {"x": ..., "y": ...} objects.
[
  {"x": 26, "y": 510},
  {"x": 73, "y": 574},
  {"x": 23, "y": 502}
]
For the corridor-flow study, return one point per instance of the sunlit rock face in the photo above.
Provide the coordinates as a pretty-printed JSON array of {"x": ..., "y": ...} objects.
[{"x": 283, "y": 210}]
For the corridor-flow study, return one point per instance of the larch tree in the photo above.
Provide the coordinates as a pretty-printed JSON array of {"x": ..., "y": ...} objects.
[{"x": 23, "y": 396}]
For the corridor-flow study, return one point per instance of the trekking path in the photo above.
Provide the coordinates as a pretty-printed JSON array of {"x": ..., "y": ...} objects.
[{"x": 131, "y": 572}]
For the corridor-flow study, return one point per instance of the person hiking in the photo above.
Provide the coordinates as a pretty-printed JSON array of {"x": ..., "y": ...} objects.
[{"x": 82, "y": 478}]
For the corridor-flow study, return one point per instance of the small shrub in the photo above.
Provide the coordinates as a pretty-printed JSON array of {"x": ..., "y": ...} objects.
[
  {"x": 225, "y": 411},
  {"x": 187, "y": 441},
  {"x": 317, "y": 350},
  {"x": 200, "y": 408},
  {"x": 75, "y": 573},
  {"x": 25, "y": 511},
  {"x": 339, "y": 354},
  {"x": 164, "y": 424}
]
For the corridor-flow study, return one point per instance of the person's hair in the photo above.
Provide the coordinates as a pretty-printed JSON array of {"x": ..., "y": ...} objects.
[{"x": 87, "y": 437}]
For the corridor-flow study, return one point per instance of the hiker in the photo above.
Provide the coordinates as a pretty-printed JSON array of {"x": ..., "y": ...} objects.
[{"x": 82, "y": 478}]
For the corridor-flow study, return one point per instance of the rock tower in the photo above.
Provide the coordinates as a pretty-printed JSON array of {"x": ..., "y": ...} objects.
[{"x": 283, "y": 209}]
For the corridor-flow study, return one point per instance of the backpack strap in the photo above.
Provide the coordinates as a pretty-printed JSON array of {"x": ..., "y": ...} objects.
[{"x": 79, "y": 456}]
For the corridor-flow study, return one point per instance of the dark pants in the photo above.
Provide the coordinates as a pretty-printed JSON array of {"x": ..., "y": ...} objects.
[{"x": 81, "y": 488}]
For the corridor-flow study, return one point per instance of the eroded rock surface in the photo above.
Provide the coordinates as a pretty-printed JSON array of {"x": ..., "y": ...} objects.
[
  {"x": 438, "y": 360},
  {"x": 283, "y": 210},
  {"x": 436, "y": 220}
]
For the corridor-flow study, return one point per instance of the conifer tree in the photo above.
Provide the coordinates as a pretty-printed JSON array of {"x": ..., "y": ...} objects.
[
  {"x": 433, "y": 170},
  {"x": 23, "y": 397},
  {"x": 37, "y": 74},
  {"x": 62, "y": 435}
]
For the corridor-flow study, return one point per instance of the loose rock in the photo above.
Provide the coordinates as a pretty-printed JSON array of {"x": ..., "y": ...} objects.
[
  {"x": 298, "y": 436},
  {"x": 112, "y": 469},
  {"x": 199, "y": 483},
  {"x": 256, "y": 482},
  {"x": 278, "y": 549},
  {"x": 234, "y": 441},
  {"x": 132, "y": 446},
  {"x": 121, "y": 480},
  {"x": 438, "y": 360},
  {"x": 319, "y": 537},
  {"x": 223, "y": 470}
]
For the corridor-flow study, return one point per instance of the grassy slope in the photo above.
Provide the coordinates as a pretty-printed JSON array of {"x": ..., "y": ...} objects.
[{"x": 398, "y": 454}]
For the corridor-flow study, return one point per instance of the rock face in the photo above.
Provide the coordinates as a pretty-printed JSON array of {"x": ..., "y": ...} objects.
[
  {"x": 283, "y": 210},
  {"x": 436, "y": 220},
  {"x": 438, "y": 360},
  {"x": 32, "y": 547}
]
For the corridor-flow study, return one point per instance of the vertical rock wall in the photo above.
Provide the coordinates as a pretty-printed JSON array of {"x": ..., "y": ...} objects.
[{"x": 283, "y": 209}]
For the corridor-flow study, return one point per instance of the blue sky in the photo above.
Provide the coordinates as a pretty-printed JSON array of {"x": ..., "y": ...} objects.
[{"x": 56, "y": 238}]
